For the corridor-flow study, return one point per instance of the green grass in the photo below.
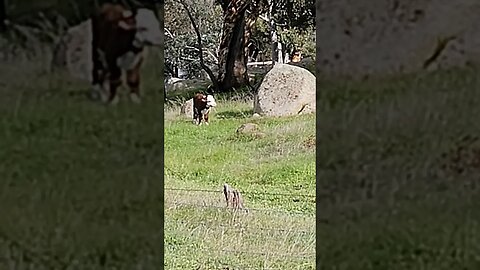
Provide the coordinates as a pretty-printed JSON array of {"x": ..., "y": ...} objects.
[
  {"x": 386, "y": 201},
  {"x": 80, "y": 182},
  {"x": 278, "y": 231}
]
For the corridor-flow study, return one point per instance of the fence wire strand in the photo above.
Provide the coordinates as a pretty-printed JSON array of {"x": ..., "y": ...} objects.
[
  {"x": 246, "y": 209},
  {"x": 230, "y": 267},
  {"x": 244, "y": 228},
  {"x": 244, "y": 192},
  {"x": 290, "y": 255},
  {"x": 247, "y": 229}
]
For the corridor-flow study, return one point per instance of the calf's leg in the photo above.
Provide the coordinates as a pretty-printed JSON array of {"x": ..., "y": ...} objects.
[
  {"x": 98, "y": 70},
  {"x": 205, "y": 117},
  {"x": 98, "y": 79},
  {"x": 197, "y": 116},
  {"x": 115, "y": 82},
  {"x": 133, "y": 81}
]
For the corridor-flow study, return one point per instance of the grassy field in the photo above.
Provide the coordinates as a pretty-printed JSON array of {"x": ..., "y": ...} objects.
[
  {"x": 80, "y": 182},
  {"x": 275, "y": 174},
  {"x": 398, "y": 169}
]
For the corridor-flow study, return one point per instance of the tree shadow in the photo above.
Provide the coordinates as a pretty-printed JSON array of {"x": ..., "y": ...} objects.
[
  {"x": 235, "y": 114},
  {"x": 78, "y": 93},
  {"x": 82, "y": 94}
]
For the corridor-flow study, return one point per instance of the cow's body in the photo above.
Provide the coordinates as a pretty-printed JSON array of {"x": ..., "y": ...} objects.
[
  {"x": 118, "y": 39},
  {"x": 201, "y": 107}
]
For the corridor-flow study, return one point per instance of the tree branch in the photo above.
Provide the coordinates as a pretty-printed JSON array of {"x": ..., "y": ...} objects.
[
  {"x": 207, "y": 51},
  {"x": 200, "y": 47}
]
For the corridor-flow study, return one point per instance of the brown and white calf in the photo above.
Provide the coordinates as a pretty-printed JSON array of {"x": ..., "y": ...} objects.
[
  {"x": 118, "y": 39},
  {"x": 201, "y": 107}
]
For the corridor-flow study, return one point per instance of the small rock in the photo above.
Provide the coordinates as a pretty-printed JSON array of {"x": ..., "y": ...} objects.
[
  {"x": 259, "y": 135},
  {"x": 256, "y": 115},
  {"x": 248, "y": 128},
  {"x": 251, "y": 129}
]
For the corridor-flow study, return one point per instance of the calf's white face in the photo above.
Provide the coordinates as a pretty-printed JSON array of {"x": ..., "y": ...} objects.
[
  {"x": 148, "y": 28},
  {"x": 211, "y": 101}
]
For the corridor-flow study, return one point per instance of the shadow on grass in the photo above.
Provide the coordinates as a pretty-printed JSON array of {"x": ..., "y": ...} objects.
[
  {"x": 189, "y": 92},
  {"x": 185, "y": 95},
  {"x": 235, "y": 114},
  {"x": 79, "y": 93}
]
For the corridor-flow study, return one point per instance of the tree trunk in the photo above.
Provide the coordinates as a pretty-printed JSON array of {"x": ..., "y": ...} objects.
[
  {"x": 277, "y": 55},
  {"x": 160, "y": 12},
  {"x": 232, "y": 50}
]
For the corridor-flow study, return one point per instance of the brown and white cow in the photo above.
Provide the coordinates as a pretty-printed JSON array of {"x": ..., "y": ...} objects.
[
  {"x": 201, "y": 107},
  {"x": 119, "y": 36}
]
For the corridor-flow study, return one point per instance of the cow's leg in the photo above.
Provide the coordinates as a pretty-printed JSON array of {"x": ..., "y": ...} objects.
[
  {"x": 98, "y": 76},
  {"x": 200, "y": 117},
  {"x": 133, "y": 81},
  {"x": 205, "y": 117},
  {"x": 115, "y": 78},
  {"x": 100, "y": 86},
  {"x": 195, "y": 116},
  {"x": 97, "y": 69}
]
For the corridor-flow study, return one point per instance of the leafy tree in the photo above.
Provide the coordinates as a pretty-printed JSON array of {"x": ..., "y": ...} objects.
[
  {"x": 298, "y": 19},
  {"x": 267, "y": 23},
  {"x": 181, "y": 42},
  {"x": 199, "y": 47}
]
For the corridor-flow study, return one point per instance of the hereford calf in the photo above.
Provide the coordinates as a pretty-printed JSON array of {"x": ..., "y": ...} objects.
[
  {"x": 201, "y": 107},
  {"x": 118, "y": 39}
]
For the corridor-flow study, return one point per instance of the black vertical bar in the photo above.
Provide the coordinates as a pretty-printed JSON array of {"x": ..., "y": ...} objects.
[{"x": 3, "y": 15}]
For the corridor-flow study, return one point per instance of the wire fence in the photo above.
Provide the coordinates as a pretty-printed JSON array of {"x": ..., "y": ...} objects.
[
  {"x": 287, "y": 256},
  {"x": 239, "y": 228},
  {"x": 310, "y": 256},
  {"x": 273, "y": 254},
  {"x": 307, "y": 235},
  {"x": 246, "y": 209},
  {"x": 229, "y": 267},
  {"x": 204, "y": 205},
  {"x": 244, "y": 192}
]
